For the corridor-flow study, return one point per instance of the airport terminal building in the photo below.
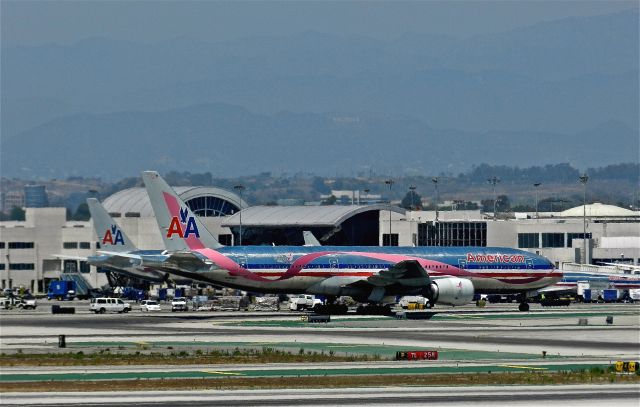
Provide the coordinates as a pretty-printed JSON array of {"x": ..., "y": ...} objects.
[
  {"x": 30, "y": 250},
  {"x": 612, "y": 233}
]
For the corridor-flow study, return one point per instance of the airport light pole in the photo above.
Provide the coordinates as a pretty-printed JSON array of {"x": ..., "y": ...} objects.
[
  {"x": 583, "y": 179},
  {"x": 435, "y": 184},
  {"x": 536, "y": 185},
  {"x": 412, "y": 189},
  {"x": 390, "y": 183},
  {"x": 493, "y": 181},
  {"x": 240, "y": 188}
]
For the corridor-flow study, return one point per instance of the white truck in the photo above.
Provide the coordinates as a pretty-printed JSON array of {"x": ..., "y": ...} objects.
[
  {"x": 179, "y": 304},
  {"x": 303, "y": 302},
  {"x": 634, "y": 294},
  {"x": 102, "y": 305}
]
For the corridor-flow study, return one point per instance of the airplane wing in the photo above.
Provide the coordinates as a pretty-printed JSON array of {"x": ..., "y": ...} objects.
[
  {"x": 68, "y": 257},
  {"x": 623, "y": 266},
  {"x": 406, "y": 275},
  {"x": 119, "y": 254},
  {"x": 185, "y": 260},
  {"x": 119, "y": 260}
]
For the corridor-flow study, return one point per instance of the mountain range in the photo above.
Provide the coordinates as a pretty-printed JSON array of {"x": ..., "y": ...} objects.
[{"x": 557, "y": 91}]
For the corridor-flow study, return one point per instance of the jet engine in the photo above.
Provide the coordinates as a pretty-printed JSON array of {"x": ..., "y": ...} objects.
[{"x": 452, "y": 291}]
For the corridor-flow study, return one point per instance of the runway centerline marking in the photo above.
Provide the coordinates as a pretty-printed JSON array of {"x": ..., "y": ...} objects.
[
  {"x": 223, "y": 373},
  {"x": 524, "y": 367},
  {"x": 345, "y": 346}
]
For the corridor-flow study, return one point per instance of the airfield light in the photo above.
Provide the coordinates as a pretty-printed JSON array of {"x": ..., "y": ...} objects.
[
  {"x": 390, "y": 183},
  {"x": 240, "y": 188},
  {"x": 493, "y": 181},
  {"x": 536, "y": 185},
  {"x": 583, "y": 179}
]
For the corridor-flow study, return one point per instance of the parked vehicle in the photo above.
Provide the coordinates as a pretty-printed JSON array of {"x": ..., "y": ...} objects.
[
  {"x": 133, "y": 294},
  {"x": 611, "y": 295},
  {"x": 102, "y": 305},
  {"x": 179, "y": 304},
  {"x": 149, "y": 305},
  {"x": 303, "y": 302},
  {"x": 26, "y": 302},
  {"x": 62, "y": 290}
]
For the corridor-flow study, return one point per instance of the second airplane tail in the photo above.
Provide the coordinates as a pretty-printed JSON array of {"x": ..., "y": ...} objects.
[
  {"x": 179, "y": 227},
  {"x": 111, "y": 237}
]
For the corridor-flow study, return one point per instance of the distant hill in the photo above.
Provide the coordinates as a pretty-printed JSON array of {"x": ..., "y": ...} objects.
[
  {"x": 228, "y": 140},
  {"x": 562, "y": 76}
]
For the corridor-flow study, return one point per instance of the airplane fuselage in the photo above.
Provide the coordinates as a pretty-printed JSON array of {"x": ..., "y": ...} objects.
[{"x": 294, "y": 269}]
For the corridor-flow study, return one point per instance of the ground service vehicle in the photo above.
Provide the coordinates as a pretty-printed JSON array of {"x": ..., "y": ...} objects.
[
  {"x": 407, "y": 300},
  {"x": 102, "y": 305},
  {"x": 27, "y": 302},
  {"x": 179, "y": 304},
  {"x": 62, "y": 290},
  {"x": 611, "y": 295}
]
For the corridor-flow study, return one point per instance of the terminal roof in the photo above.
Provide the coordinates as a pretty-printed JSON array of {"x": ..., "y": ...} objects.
[{"x": 329, "y": 215}]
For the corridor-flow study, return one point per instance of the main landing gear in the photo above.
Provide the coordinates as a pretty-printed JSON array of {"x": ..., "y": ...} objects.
[{"x": 524, "y": 305}]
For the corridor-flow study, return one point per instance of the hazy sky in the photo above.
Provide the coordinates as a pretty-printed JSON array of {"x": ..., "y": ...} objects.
[{"x": 27, "y": 22}]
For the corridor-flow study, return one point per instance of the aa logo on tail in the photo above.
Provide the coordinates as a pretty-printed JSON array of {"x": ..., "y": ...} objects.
[
  {"x": 110, "y": 234},
  {"x": 183, "y": 226}
]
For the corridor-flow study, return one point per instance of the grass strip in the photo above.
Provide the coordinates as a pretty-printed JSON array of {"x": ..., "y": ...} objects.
[
  {"x": 198, "y": 357},
  {"x": 593, "y": 376}
]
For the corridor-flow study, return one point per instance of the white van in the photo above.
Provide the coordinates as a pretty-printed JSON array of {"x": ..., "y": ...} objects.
[{"x": 102, "y": 305}]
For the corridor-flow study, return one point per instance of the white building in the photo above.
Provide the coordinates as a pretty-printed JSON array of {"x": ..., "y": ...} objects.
[
  {"x": 28, "y": 248},
  {"x": 613, "y": 233}
]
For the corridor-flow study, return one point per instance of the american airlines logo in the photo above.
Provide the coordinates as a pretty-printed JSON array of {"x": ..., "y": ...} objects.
[
  {"x": 183, "y": 226},
  {"x": 113, "y": 236},
  {"x": 494, "y": 258}
]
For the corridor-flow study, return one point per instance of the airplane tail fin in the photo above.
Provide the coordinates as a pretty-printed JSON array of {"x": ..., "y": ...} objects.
[
  {"x": 179, "y": 227},
  {"x": 111, "y": 237},
  {"x": 310, "y": 239}
]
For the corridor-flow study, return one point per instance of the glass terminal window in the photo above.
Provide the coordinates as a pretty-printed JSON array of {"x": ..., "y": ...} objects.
[
  {"x": 211, "y": 206},
  {"x": 553, "y": 240},
  {"x": 528, "y": 240}
]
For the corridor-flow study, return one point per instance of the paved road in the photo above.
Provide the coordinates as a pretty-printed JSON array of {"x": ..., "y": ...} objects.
[
  {"x": 497, "y": 329},
  {"x": 590, "y": 339},
  {"x": 480, "y": 396}
]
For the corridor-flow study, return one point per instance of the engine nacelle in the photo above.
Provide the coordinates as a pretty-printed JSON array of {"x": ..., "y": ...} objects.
[{"x": 452, "y": 291}]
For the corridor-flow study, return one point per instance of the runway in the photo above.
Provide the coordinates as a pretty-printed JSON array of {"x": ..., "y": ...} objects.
[
  {"x": 469, "y": 341},
  {"x": 496, "y": 329},
  {"x": 567, "y": 396}
]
